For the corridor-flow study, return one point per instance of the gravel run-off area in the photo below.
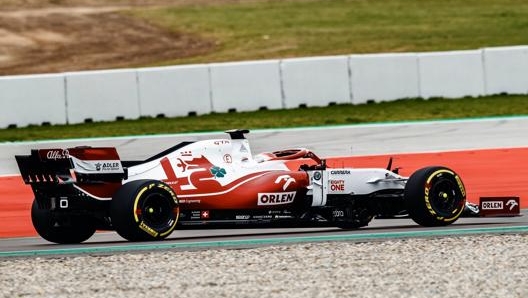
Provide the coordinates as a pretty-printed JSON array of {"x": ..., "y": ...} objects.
[{"x": 468, "y": 266}]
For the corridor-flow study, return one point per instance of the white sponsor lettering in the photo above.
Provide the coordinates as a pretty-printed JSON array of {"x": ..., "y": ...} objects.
[
  {"x": 262, "y": 216},
  {"x": 279, "y": 198},
  {"x": 283, "y": 216},
  {"x": 191, "y": 201},
  {"x": 338, "y": 213},
  {"x": 57, "y": 154},
  {"x": 492, "y": 205}
]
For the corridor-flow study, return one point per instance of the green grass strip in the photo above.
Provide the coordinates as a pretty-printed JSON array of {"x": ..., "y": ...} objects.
[
  {"x": 345, "y": 114},
  {"x": 292, "y": 28}
]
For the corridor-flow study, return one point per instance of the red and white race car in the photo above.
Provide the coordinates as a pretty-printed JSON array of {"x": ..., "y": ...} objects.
[{"x": 219, "y": 182}]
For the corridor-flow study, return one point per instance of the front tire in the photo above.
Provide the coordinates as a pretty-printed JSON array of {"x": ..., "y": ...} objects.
[
  {"x": 144, "y": 210},
  {"x": 435, "y": 196},
  {"x": 67, "y": 229}
]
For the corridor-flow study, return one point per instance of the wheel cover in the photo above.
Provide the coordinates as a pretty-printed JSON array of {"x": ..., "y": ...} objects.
[
  {"x": 445, "y": 197},
  {"x": 156, "y": 210}
]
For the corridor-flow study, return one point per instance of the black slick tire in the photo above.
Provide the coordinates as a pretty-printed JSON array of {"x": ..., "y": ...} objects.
[
  {"x": 144, "y": 210},
  {"x": 71, "y": 229},
  {"x": 435, "y": 196}
]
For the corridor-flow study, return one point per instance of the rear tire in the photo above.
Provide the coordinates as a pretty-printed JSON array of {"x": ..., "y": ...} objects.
[
  {"x": 72, "y": 229},
  {"x": 435, "y": 196},
  {"x": 144, "y": 210}
]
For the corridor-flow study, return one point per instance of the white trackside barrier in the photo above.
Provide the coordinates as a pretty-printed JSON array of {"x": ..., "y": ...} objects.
[
  {"x": 245, "y": 86},
  {"x": 506, "y": 70},
  {"x": 451, "y": 74},
  {"x": 174, "y": 91},
  {"x": 102, "y": 95},
  {"x": 252, "y": 85},
  {"x": 32, "y": 99},
  {"x": 382, "y": 77},
  {"x": 316, "y": 81}
]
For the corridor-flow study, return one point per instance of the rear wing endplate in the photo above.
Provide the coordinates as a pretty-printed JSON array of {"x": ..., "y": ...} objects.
[
  {"x": 88, "y": 164},
  {"x": 44, "y": 165}
]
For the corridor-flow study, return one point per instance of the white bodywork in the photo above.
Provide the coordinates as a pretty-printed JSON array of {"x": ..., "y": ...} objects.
[
  {"x": 342, "y": 181},
  {"x": 232, "y": 155}
]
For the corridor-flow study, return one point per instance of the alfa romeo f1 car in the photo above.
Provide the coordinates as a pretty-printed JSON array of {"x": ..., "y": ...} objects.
[{"x": 216, "y": 182}]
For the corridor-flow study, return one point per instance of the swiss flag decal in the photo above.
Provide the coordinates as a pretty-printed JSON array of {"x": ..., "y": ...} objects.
[{"x": 204, "y": 214}]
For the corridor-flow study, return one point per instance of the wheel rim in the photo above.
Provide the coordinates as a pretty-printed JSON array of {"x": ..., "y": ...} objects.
[
  {"x": 446, "y": 198},
  {"x": 156, "y": 210}
]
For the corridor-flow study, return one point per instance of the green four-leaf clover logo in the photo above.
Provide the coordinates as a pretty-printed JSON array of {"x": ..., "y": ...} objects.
[{"x": 218, "y": 172}]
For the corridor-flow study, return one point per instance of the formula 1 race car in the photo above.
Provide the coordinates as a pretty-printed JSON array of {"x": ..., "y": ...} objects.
[{"x": 218, "y": 182}]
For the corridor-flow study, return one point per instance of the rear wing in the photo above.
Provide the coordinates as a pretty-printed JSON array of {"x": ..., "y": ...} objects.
[
  {"x": 80, "y": 164},
  {"x": 44, "y": 166}
]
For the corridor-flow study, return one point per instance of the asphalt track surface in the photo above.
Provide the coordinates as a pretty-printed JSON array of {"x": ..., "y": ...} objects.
[
  {"x": 378, "y": 229},
  {"x": 353, "y": 140}
]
